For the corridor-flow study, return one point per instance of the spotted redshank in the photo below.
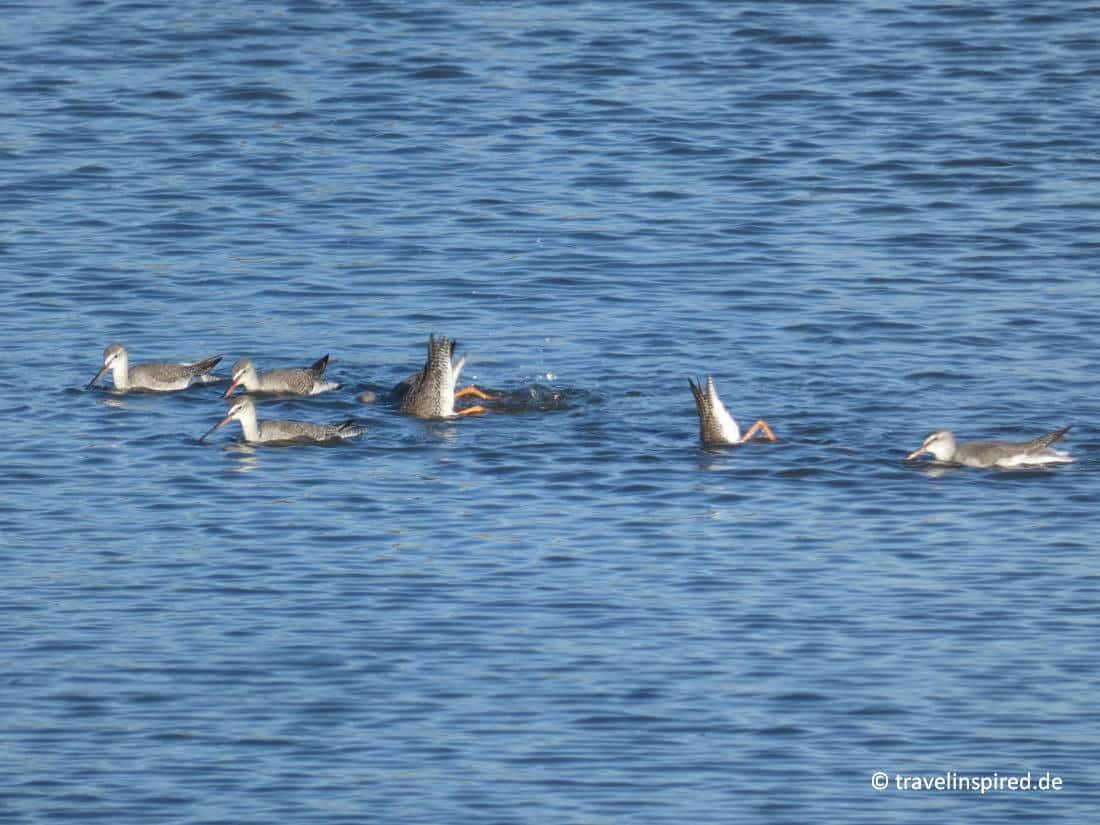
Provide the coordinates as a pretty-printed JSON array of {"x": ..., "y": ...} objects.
[
  {"x": 243, "y": 409},
  {"x": 716, "y": 425},
  {"x": 431, "y": 392},
  {"x": 305, "y": 381},
  {"x": 1001, "y": 454},
  {"x": 162, "y": 376}
]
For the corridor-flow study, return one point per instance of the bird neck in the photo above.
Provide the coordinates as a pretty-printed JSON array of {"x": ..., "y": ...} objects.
[
  {"x": 120, "y": 372},
  {"x": 249, "y": 425}
]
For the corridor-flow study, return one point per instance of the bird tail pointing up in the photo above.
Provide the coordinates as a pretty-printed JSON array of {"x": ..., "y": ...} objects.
[
  {"x": 205, "y": 365},
  {"x": 319, "y": 366},
  {"x": 1048, "y": 439}
]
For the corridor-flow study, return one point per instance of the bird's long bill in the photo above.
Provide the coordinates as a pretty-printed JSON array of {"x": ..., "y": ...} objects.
[
  {"x": 216, "y": 427},
  {"x": 915, "y": 453},
  {"x": 229, "y": 391},
  {"x": 98, "y": 375}
]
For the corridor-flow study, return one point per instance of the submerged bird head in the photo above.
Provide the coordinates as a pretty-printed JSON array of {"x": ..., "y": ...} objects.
[
  {"x": 716, "y": 425},
  {"x": 432, "y": 391},
  {"x": 243, "y": 370},
  {"x": 113, "y": 355},
  {"x": 941, "y": 444}
]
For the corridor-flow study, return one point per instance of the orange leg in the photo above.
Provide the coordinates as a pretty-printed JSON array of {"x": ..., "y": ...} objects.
[
  {"x": 762, "y": 426},
  {"x": 474, "y": 391},
  {"x": 477, "y": 409}
]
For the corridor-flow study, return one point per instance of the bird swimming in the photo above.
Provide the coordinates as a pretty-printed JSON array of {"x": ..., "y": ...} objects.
[
  {"x": 1000, "y": 454},
  {"x": 304, "y": 381},
  {"x": 243, "y": 409},
  {"x": 159, "y": 376}
]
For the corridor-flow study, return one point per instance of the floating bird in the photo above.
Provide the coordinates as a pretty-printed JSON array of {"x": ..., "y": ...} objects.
[
  {"x": 243, "y": 409},
  {"x": 306, "y": 381},
  {"x": 431, "y": 392},
  {"x": 1001, "y": 454},
  {"x": 716, "y": 425},
  {"x": 161, "y": 376}
]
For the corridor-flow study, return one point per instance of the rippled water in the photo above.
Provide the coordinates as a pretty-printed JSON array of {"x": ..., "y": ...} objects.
[{"x": 865, "y": 220}]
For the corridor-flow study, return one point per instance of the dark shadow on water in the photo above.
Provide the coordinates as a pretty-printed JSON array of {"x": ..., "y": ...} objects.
[
  {"x": 530, "y": 399},
  {"x": 540, "y": 398}
]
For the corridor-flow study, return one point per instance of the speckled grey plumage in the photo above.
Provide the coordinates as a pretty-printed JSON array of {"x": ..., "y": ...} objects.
[
  {"x": 716, "y": 425},
  {"x": 243, "y": 409},
  {"x": 1001, "y": 454},
  {"x": 302, "y": 381},
  {"x": 278, "y": 430},
  {"x": 431, "y": 392},
  {"x": 160, "y": 376}
]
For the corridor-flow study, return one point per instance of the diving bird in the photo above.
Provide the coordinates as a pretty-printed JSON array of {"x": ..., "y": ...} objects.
[
  {"x": 161, "y": 376},
  {"x": 243, "y": 409},
  {"x": 431, "y": 392},
  {"x": 304, "y": 381},
  {"x": 1001, "y": 454},
  {"x": 716, "y": 425}
]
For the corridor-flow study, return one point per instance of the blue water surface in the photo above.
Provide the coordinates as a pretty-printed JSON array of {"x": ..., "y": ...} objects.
[{"x": 865, "y": 220}]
